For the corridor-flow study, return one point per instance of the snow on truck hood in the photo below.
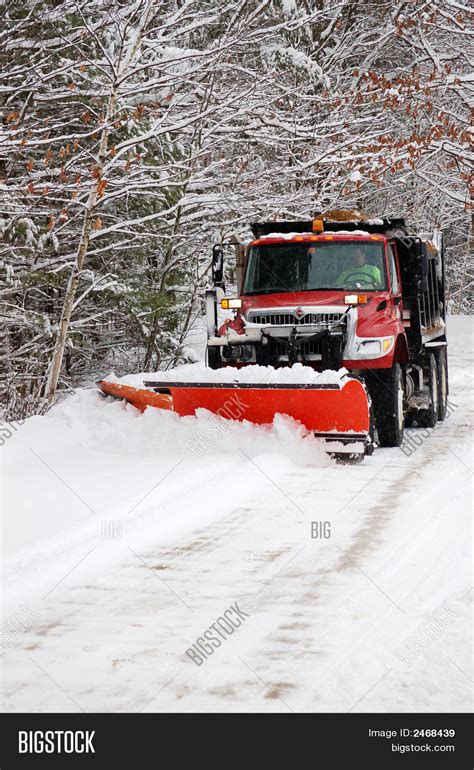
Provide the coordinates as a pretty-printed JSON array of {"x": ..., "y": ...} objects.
[{"x": 253, "y": 374}]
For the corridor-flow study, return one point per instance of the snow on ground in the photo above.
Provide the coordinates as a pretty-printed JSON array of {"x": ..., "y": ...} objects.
[{"x": 126, "y": 536}]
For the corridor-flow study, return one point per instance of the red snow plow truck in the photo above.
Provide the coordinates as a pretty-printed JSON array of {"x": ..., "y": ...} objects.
[
  {"x": 335, "y": 292},
  {"x": 338, "y": 292}
]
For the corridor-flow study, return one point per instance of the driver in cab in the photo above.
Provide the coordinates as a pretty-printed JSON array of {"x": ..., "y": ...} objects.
[{"x": 368, "y": 276}]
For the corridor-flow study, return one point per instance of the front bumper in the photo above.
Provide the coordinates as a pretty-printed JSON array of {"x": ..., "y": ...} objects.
[
  {"x": 308, "y": 337},
  {"x": 326, "y": 345},
  {"x": 318, "y": 346}
]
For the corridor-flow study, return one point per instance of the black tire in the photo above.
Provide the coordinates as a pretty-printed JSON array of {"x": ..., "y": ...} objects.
[
  {"x": 387, "y": 390},
  {"x": 429, "y": 417},
  {"x": 442, "y": 365},
  {"x": 213, "y": 358},
  {"x": 369, "y": 450}
]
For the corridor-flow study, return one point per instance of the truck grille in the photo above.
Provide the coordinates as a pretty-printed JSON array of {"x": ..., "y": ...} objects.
[
  {"x": 289, "y": 319},
  {"x": 312, "y": 348}
]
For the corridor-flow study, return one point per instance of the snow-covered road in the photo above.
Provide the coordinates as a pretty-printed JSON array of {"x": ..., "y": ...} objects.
[{"x": 122, "y": 547}]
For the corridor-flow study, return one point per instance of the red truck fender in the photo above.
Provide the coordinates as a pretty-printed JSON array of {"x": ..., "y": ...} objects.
[{"x": 400, "y": 351}]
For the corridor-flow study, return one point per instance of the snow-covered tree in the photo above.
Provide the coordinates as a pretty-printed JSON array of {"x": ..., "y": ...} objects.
[{"x": 137, "y": 133}]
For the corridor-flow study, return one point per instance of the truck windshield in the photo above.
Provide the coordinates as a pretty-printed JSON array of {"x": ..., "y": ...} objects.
[{"x": 289, "y": 267}]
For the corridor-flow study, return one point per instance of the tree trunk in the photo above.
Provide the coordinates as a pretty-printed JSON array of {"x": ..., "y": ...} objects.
[{"x": 71, "y": 291}]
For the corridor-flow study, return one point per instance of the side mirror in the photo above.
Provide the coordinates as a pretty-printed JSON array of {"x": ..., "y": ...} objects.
[
  {"x": 217, "y": 267},
  {"x": 424, "y": 262}
]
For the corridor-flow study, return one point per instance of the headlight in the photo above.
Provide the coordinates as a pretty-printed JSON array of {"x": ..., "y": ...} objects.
[
  {"x": 375, "y": 347},
  {"x": 231, "y": 304},
  {"x": 355, "y": 299},
  {"x": 370, "y": 347}
]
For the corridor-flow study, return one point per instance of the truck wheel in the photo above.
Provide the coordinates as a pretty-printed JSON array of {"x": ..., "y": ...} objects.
[
  {"x": 429, "y": 417},
  {"x": 213, "y": 358},
  {"x": 442, "y": 366},
  {"x": 389, "y": 415}
]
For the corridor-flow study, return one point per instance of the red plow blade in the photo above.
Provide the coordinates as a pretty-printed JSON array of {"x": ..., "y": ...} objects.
[
  {"x": 336, "y": 412},
  {"x": 138, "y": 397}
]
